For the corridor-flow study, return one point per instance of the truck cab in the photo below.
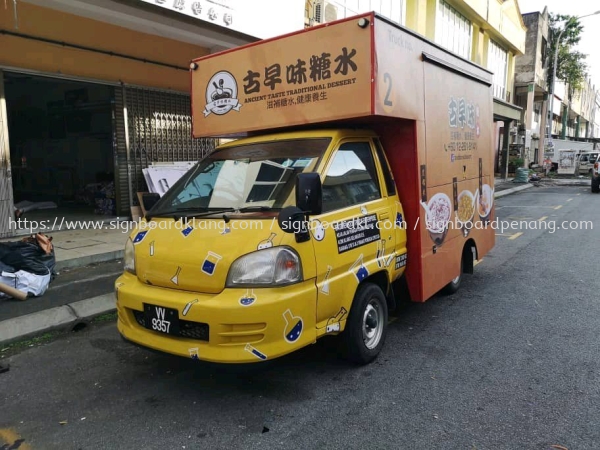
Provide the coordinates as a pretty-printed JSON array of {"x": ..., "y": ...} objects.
[{"x": 585, "y": 162}]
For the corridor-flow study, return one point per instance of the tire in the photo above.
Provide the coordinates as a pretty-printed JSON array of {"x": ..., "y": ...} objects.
[
  {"x": 595, "y": 185},
  {"x": 454, "y": 285},
  {"x": 366, "y": 328}
]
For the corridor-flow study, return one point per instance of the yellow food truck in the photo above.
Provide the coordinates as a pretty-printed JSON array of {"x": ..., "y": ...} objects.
[{"x": 359, "y": 160}]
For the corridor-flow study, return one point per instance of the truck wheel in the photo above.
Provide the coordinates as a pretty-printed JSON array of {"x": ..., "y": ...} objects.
[
  {"x": 452, "y": 287},
  {"x": 595, "y": 185},
  {"x": 366, "y": 328}
]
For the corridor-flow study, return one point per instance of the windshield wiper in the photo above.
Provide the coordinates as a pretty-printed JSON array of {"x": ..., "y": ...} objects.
[
  {"x": 255, "y": 208},
  {"x": 196, "y": 212}
]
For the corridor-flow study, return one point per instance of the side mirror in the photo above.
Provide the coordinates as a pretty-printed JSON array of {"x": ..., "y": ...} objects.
[
  {"x": 292, "y": 219},
  {"x": 309, "y": 193},
  {"x": 149, "y": 199}
]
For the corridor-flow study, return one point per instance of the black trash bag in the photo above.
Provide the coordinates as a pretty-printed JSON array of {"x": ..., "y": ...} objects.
[{"x": 29, "y": 257}]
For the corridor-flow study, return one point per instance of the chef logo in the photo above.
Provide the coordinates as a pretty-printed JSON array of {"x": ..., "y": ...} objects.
[{"x": 221, "y": 94}]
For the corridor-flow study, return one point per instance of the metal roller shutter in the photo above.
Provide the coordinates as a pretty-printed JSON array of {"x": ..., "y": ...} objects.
[{"x": 158, "y": 128}]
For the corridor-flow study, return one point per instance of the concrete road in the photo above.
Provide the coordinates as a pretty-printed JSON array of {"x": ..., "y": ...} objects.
[{"x": 510, "y": 362}]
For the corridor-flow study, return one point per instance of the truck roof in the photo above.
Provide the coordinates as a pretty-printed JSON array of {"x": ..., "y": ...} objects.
[{"x": 349, "y": 70}]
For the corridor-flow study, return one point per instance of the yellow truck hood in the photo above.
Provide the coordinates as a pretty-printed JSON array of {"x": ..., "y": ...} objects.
[{"x": 196, "y": 257}]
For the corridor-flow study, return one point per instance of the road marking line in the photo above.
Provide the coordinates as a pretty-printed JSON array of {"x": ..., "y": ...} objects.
[
  {"x": 11, "y": 438},
  {"x": 477, "y": 261},
  {"x": 558, "y": 207},
  {"x": 579, "y": 194},
  {"x": 514, "y": 236},
  {"x": 569, "y": 199},
  {"x": 393, "y": 319},
  {"x": 543, "y": 218}
]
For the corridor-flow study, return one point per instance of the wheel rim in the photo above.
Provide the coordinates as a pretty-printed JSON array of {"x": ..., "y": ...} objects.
[{"x": 372, "y": 325}]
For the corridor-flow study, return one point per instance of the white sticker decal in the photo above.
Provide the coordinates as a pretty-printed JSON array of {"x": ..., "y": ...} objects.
[
  {"x": 266, "y": 243},
  {"x": 188, "y": 307},
  {"x": 333, "y": 324},
  {"x": 325, "y": 285},
  {"x": 318, "y": 230},
  {"x": 175, "y": 279}
]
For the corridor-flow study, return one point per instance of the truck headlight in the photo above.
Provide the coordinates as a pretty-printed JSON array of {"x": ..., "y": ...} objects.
[
  {"x": 129, "y": 257},
  {"x": 276, "y": 266}
]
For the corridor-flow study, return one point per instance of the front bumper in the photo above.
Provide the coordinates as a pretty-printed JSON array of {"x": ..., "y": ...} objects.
[{"x": 268, "y": 323}]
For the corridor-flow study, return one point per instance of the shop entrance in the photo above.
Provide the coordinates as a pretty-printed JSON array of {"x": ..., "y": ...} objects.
[{"x": 61, "y": 148}]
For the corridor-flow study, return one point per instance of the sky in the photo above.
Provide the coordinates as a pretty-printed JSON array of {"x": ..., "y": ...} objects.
[{"x": 590, "y": 36}]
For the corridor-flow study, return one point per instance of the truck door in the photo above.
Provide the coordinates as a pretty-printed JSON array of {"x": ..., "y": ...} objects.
[{"x": 350, "y": 238}]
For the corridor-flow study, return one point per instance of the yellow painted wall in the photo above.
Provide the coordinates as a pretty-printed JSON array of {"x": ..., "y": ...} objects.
[
  {"x": 502, "y": 19},
  {"x": 52, "y": 58},
  {"x": 510, "y": 82}
]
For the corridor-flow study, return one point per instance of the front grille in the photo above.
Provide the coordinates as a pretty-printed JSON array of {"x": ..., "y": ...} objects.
[{"x": 187, "y": 329}]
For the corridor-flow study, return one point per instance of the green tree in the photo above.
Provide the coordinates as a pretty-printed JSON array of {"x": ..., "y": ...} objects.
[{"x": 571, "y": 66}]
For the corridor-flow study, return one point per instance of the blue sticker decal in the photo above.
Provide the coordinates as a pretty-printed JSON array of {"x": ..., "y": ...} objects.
[
  {"x": 362, "y": 271},
  {"x": 140, "y": 237},
  {"x": 248, "y": 299},
  {"x": 186, "y": 231},
  {"x": 255, "y": 352},
  {"x": 398, "y": 219},
  {"x": 210, "y": 263},
  {"x": 293, "y": 326}
]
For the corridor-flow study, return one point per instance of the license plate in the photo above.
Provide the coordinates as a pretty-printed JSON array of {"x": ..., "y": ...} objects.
[{"x": 161, "y": 319}]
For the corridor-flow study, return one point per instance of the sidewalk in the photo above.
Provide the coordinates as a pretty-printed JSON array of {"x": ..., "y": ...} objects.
[{"x": 78, "y": 248}]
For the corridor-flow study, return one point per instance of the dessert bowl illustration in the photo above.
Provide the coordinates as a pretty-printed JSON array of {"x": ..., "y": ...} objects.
[
  {"x": 485, "y": 202},
  {"x": 437, "y": 216},
  {"x": 466, "y": 210}
]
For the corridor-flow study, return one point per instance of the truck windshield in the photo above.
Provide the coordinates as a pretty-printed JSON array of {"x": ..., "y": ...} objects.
[{"x": 252, "y": 177}]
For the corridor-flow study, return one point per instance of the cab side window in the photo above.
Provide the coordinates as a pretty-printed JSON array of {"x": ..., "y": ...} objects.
[{"x": 351, "y": 178}]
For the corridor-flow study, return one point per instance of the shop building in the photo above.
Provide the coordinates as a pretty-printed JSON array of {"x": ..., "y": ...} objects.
[
  {"x": 490, "y": 33},
  {"x": 92, "y": 92}
]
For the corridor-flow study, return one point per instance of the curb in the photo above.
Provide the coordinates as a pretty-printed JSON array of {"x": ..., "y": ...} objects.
[
  {"x": 64, "y": 317},
  {"x": 512, "y": 190},
  {"x": 82, "y": 261}
]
